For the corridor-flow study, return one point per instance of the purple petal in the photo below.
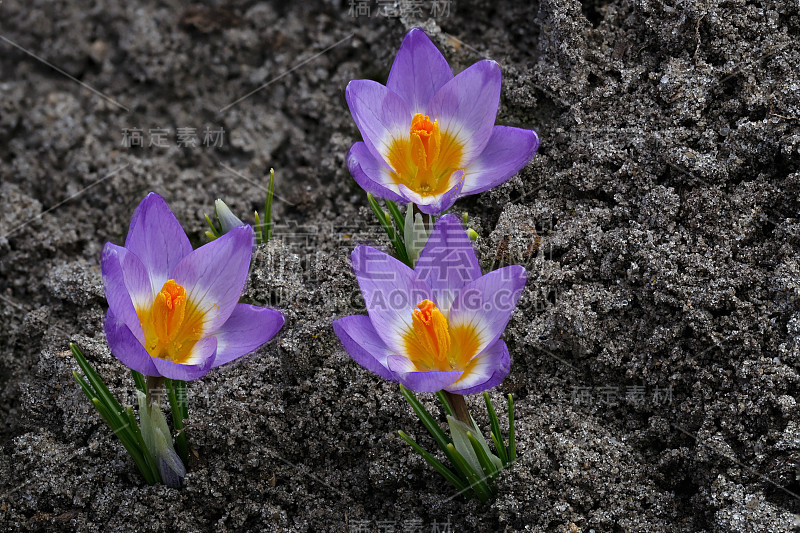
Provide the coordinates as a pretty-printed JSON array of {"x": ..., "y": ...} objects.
[
  {"x": 380, "y": 115},
  {"x": 214, "y": 275},
  {"x": 246, "y": 329},
  {"x": 363, "y": 343},
  {"x": 436, "y": 204},
  {"x": 486, "y": 371},
  {"x": 127, "y": 286},
  {"x": 466, "y": 107},
  {"x": 487, "y": 303},
  {"x": 418, "y": 71},
  {"x": 508, "y": 150},
  {"x": 202, "y": 358},
  {"x": 371, "y": 174},
  {"x": 126, "y": 347},
  {"x": 432, "y": 381},
  {"x": 447, "y": 261},
  {"x": 391, "y": 292},
  {"x": 157, "y": 239}
]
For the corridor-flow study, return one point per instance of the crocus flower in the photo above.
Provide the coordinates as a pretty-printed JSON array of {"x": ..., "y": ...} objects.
[
  {"x": 429, "y": 137},
  {"x": 174, "y": 311},
  {"x": 437, "y": 326}
]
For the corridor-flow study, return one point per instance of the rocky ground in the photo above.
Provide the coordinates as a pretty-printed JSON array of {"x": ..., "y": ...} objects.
[{"x": 656, "y": 350}]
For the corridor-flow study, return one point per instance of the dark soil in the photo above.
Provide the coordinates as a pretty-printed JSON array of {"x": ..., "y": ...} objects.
[{"x": 656, "y": 350}]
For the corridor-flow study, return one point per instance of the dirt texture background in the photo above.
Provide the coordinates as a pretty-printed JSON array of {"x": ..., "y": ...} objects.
[{"x": 656, "y": 349}]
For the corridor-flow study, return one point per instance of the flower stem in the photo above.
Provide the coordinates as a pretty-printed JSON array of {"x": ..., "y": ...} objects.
[
  {"x": 155, "y": 389},
  {"x": 459, "y": 407}
]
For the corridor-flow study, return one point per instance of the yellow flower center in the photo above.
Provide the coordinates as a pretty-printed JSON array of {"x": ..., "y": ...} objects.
[
  {"x": 432, "y": 344},
  {"x": 425, "y": 160},
  {"x": 172, "y": 325}
]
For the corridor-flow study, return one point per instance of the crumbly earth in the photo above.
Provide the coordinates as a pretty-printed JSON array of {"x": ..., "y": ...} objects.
[{"x": 656, "y": 349}]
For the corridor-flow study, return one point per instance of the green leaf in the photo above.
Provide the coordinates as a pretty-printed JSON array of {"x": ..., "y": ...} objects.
[
  {"x": 137, "y": 434},
  {"x": 87, "y": 390},
  {"x": 214, "y": 231},
  {"x": 138, "y": 378},
  {"x": 180, "y": 390},
  {"x": 445, "y": 403},
  {"x": 268, "y": 206},
  {"x": 123, "y": 426},
  {"x": 415, "y": 235},
  {"x": 101, "y": 391},
  {"x": 459, "y": 431},
  {"x": 128, "y": 442},
  {"x": 398, "y": 218},
  {"x": 489, "y": 470},
  {"x": 512, "y": 445},
  {"x": 259, "y": 234},
  {"x": 176, "y": 399},
  {"x": 497, "y": 445},
  {"x": 497, "y": 437},
  {"x": 397, "y": 242},
  {"x": 457, "y": 482},
  {"x": 481, "y": 489},
  {"x": 441, "y": 438},
  {"x": 158, "y": 440}
]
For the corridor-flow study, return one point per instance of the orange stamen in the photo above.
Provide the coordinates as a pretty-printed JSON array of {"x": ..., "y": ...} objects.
[
  {"x": 425, "y": 160},
  {"x": 432, "y": 344},
  {"x": 172, "y": 325}
]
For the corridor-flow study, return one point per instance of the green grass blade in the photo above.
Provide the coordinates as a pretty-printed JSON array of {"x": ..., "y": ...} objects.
[
  {"x": 123, "y": 425},
  {"x": 481, "y": 489},
  {"x": 441, "y": 438},
  {"x": 398, "y": 218},
  {"x": 259, "y": 234},
  {"x": 118, "y": 429},
  {"x": 498, "y": 444},
  {"x": 175, "y": 401},
  {"x": 138, "y": 378},
  {"x": 454, "y": 480},
  {"x": 497, "y": 437},
  {"x": 87, "y": 390},
  {"x": 184, "y": 406},
  {"x": 489, "y": 470},
  {"x": 101, "y": 391},
  {"x": 397, "y": 242},
  {"x": 268, "y": 206},
  {"x": 138, "y": 455},
  {"x": 183, "y": 400},
  {"x": 512, "y": 445},
  {"x": 445, "y": 403},
  {"x": 214, "y": 231}
]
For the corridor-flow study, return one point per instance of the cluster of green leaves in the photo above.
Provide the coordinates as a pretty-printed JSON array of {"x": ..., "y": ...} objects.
[
  {"x": 121, "y": 420},
  {"x": 395, "y": 234},
  {"x": 462, "y": 476}
]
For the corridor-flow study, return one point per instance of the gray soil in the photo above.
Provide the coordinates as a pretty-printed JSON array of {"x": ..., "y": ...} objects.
[{"x": 656, "y": 350}]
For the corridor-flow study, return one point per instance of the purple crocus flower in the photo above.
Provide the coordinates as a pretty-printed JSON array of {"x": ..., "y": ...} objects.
[
  {"x": 429, "y": 137},
  {"x": 437, "y": 326},
  {"x": 174, "y": 311}
]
